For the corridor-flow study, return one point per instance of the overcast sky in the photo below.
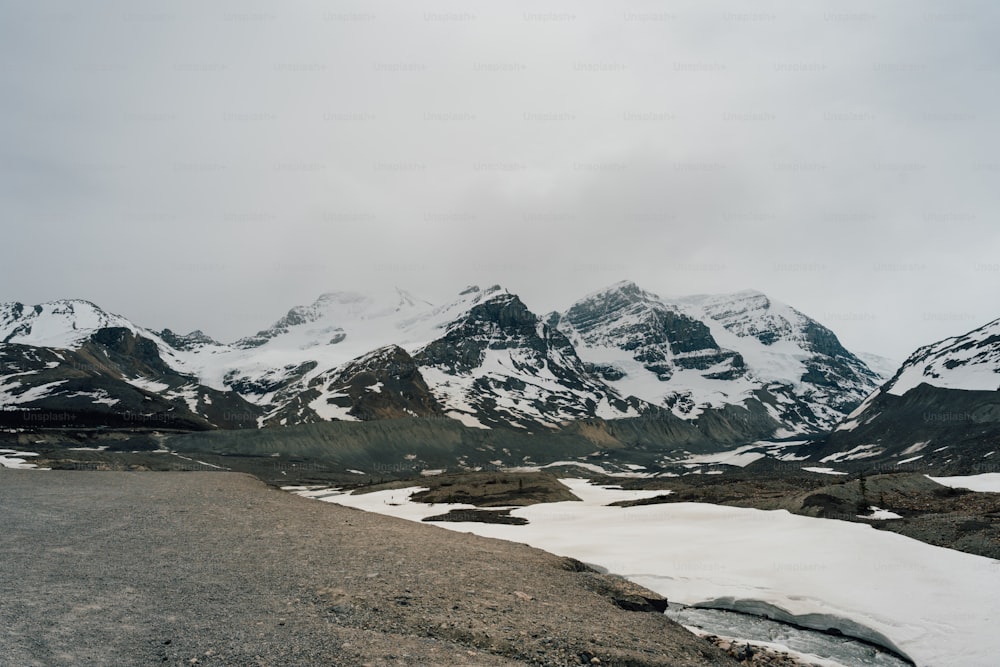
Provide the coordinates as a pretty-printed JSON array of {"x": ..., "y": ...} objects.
[{"x": 210, "y": 165}]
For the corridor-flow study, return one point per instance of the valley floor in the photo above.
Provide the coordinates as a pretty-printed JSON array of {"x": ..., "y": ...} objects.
[{"x": 111, "y": 568}]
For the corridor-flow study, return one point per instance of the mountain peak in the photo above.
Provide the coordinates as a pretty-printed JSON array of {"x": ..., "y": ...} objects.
[
  {"x": 476, "y": 289},
  {"x": 408, "y": 300},
  {"x": 623, "y": 291},
  {"x": 623, "y": 285},
  {"x": 193, "y": 340},
  {"x": 63, "y": 323},
  {"x": 339, "y": 297},
  {"x": 970, "y": 361},
  {"x": 753, "y": 296}
]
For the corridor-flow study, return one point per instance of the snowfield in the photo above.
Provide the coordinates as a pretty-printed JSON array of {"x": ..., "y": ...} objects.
[
  {"x": 985, "y": 483},
  {"x": 937, "y": 606},
  {"x": 11, "y": 458}
]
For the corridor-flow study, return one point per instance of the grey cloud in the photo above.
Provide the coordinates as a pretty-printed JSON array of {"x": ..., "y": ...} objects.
[{"x": 209, "y": 166}]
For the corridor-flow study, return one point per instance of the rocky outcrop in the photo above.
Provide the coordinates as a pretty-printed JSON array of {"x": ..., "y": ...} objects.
[
  {"x": 385, "y": 384},
  {"x": 511, "y": 368}
]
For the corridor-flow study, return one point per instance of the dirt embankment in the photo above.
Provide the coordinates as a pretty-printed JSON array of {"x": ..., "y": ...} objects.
[{"x": 110, "y": 568}]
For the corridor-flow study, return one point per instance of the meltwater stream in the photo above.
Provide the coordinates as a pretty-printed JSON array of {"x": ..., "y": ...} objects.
[{"x": 745, "y": 627}]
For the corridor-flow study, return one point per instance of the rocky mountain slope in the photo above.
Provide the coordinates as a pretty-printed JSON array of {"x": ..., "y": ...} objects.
[
  {"x": 942, "y": 407},
  {"x": 70, "y": 364},
  {"x": 741, "y": 361},
  {"x": 483, "y": 359},
  {"x": 725, "y": 369}
]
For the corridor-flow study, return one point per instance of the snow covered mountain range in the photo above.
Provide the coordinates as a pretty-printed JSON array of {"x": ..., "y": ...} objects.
[
  {"x": 736, "y": 367},
  {"x": 941, "y": 407},
  {"x": 702, "y": 356}
]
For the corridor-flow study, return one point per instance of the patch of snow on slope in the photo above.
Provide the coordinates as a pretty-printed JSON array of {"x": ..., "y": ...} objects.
[
  {"x": 879, "y": 514},
  {"x": 859, "y": 452},
  {"x": 8, "y": 397},
  {"x": 985, "y": 483},
  {"x": 740, "y": 457},
  {"x": 914, "y": 448},
  {"x": 853, "y": 420},
  {"x": 11, "y": 458},
  {"x": 188, "y": 393},
  {"x": 331, "y": 411},
  {"x": 146, "y": 384},
  {"x": 98, "y": 396}
]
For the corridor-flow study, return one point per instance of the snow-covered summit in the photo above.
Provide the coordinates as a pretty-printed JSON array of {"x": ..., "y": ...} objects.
[
  {"x": 970, "y": 361},
  {"x": 941, "y": 408},
  {"x": 749, "y": 313},
  {"x": 743, "y": 363},
  {"x": 708, "y": 352},
  {"x": 483, "y": 352},
  {"x": 65, "y": 323}
]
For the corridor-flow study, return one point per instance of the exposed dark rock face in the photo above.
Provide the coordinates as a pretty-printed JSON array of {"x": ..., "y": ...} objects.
[
  {"x": 385, "y": 384},
  {"x": 734, "y": 423},
  {"x": 607, "y": 372},
  {"x": 126, "y": 350},
  {"x": 513, "y": 356},
  {"x": 710, "y": 384},
  {"x": 942, "y": 408},
  {"x": 833, "y": 367},
  {"x": 271, "y": 382},
  {"x": 655, "y": 334},
  {"x": 191, "y": 341},
  {"x": 946, "y": 428},
  {"x": 498, "y": 324},
  {"x": 480, "y": 516},
  {"x": 115, "y": 379}
]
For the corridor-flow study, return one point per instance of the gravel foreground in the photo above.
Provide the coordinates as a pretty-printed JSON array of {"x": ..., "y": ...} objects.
[{"x": 129, "y": 568}]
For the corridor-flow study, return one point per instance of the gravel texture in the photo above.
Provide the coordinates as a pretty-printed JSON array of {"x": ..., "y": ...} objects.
[{"x": 132, "y": 568}]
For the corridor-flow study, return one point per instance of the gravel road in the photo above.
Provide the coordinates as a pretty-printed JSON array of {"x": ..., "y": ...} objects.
[{"x": 130, "y": 568}]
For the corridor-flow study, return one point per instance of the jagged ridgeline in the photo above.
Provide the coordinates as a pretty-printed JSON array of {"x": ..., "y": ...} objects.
[{"x": 725, "y": 369}]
